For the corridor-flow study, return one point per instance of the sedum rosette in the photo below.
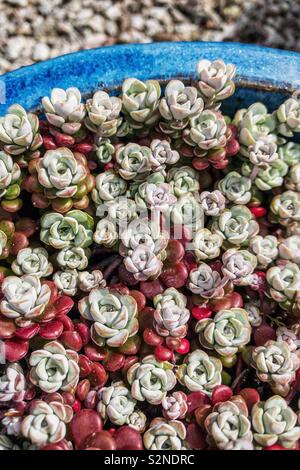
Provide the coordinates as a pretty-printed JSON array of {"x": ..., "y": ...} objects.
[
  {"x": 274, "y": 422},
  {"x": 103, "y": 114},
  {"x": 46, "y": 422},
  {"x": 289, "y": 153},
  {"x": 171, "y": 315},
  {"x": 236, "y": 225},
  {"x": 32, "y": 261},
  {"x": 106, "y": 233},
  {"x": 188, "y": 212},
  {"x": 143, "y": 263},
  {"x": 66, "y": 281},
  {"x": 200, "y": 372},
  {"x": 133, "y": 161},
  {"x": 289, "y": 335},
  {"x": 12, "y": 383},
  {"x": 292, "y": 181},
  {"x": 183, "y": 180},
  {"x": 90, "y": 280},
  {"x": 207, "y": 245},
  {"x": 276, "y": 364},
  {"x": 115, "y": 403},
  {"x": 255, "y": 316},
  {"x": 162, "y": 155},
  {"x": 10, "y": 178},
  {"x": 24, "y": 299},
  {"x": 285, "y": 207},
  {"x": 265, "y": 249},
  {"x": 150, "y": 380},
  {"x": 215, "y": 81},
  {"x": 228, "y": 423},
  {"x": 73, "y": 257},
  {"x": 288, "y": 115},
  {"x": 263, "y": 152},
  {"x": 175, "y": 405},
  {"x": 226, "y": 333},
  {"x": 206, "y": 282},
  {"x": 238, "y": 266},
  {"x": 289, "y": 249},
  {"x": 54, "y": 368},
  {"x": 112, "y": 314},
  {"x": 267, "y": 177},
  {"x": 236, "y": 188},
  {"x": 284, "y": 281},
  {"x": 109, "y": 186},
  {"x": 104, "y": 150},
  {"x": 19, "y": 131},
  {"x": 63, "y": 109},
  {"x": 143, "y": 232},
  {"x": 212, "y": 203},
  {"x": 72, "y": 229},
  {"x": 137, "y": 420},
  {"x": 165, "y": 435}
]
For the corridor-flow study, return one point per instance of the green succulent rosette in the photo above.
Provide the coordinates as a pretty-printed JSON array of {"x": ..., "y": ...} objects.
[
  {"x": 112, "y": 314},
  {"x": 66, "y": 281},
  {"x": 165, "y": 435},
  {"x": 274, "y": 422},
  {"x": 289, "y": 249},
  {"x": 19, "y": 131},
  {"x": 236, "y": 225},
  {"x": 150, "y": 380},
  {"x": 64, "y": 109},
  {"x": 133, "y": 162},
  {"x": 265, "y": 249},
  {"x": 238, "y": 266},
  {"x": 140, "y": 101},
  {"x": 200, "y": 372},
  {"x": 183, "y": 180},
  {"x": 292, "y": 180},
  {"x": 205, "y": 282},
  {"x": 10, "y": 182},
  {"x": 109, "y": 186},
  {"x": 285, "y": 208},
  {"x": 32, "y": 261},
  {"x": 289, "y": 153},
  {"x": 236, "y": 188},
  {"x": 215, "y": 81},
  {"x": 187, "y": 211},
  {"x": 269, "y": 176},
  {"x": 72, "y": 229},
  {"x": 171, "y": 315},
  {"x": 115, "y": 403},
  {"x": 284, "y": 283},
  {"x": 103, "y": 114},
  {"x": 226, "y": 333},
  {"x": 73, "y": 257},
  {"x": 288, "y": 115}
]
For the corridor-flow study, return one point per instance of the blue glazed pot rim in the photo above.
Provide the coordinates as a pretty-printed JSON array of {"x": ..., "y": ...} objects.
[{"x": 106, "y": 67}]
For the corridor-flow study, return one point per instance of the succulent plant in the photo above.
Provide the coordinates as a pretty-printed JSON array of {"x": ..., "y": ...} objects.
[
  {"x": 90, "y": 280},
  {"x": 143, "y": 231},
  {"x": 283, "y": 281},
  {"x": 265, "y": 249},
  {"x": 103, "y": 114},
  {"x": 269, "y": 176},
  {"x": 143, "y": 263},
  {"x": 285, "y": 207},
  {"x": 288, "y": 115},
  {"x": 200, "y": 372},
  {"x": 183, "y": 180},
  {"x": 32, "y": 261},
  {"x": 109, "y": 186},
  {"x": 133, "y": 161},
  {"x": 212, "y": 203},
  {"x": 255, "y": 316},
  {"x": 7, "y": 444},
  {"x": 54, "y": 368},
  {"x": 187, "y": 212},
  {"x": 274, "y": 422},
  {"x": 289, "y": 249},
  {"x": 63, "y": 109},
  {"x": 115, "y": 403},
  {"x": 106, "y": 233},
  {"x": 179, "y": 103},
  {"x": 24, "y": 299},
  {"x": 104, "y": 150},
  {"x": 137, "y": 420},
  {"x": 66, "y": 281},
  {"x": 292, "y": 180},
  {"x": 236, "y": 225},
  {"x": 150, "y": 380},
  {"x": 10, "y": 179},
  {"x": 73, "y": 257},
  {"x": 112, "y": 314},
  {"x": 263, "y": 152},
  {"x": 171, "y": 315},
  {"x": 207, "y": 245},
  {"x": 226, "y": 333},
  {"x": 72, "y": 229},
  {"x": 275, "y": 364},
  {"x": 165, "y": 435},
  {"x": 12, "y": 383},
  {"x": 236, "y": 188},
  {"x": 238, "y": 266},
  {"x": 156, "y": 197},
  {"x": 19, "y": 131},
  {"x": 175, "y": 405},
  {"x": 289, "y": 153},
  {"x": 289, "y": 335},
  {"x": 215, "y": 81},
  {"x": 206, "y": 282},
  {"x": 228, "y": 422},
  {"x": 46, "y": 422},
  {"x": 64, "y": 179},
  {"x": 140, "y": 101},
  {"x": 207, "y": 132},
  {"x": 254, "y": 124},
  {"x": 12, "y": 422},
  {"x": 162, "y": 155}
]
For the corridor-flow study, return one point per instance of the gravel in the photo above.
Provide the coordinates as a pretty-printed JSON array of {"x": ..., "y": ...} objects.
[{"x": 35, "y": 30}]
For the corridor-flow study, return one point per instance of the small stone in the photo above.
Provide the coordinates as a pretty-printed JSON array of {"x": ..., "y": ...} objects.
[{"x": 41, "y": 52}]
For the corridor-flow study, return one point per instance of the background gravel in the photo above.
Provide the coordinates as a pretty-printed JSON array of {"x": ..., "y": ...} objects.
[{"x": 35, "y": 30}]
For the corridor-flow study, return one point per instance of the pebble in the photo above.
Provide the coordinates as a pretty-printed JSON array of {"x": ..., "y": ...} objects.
[{"x": 35, "y": 30}]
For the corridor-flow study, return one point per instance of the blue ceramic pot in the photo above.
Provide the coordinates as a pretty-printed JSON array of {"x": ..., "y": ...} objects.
[{"x": 263, "y": 74}]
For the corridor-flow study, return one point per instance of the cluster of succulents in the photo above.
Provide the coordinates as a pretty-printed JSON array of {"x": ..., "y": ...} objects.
[{"x": 150, "y": 270}]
